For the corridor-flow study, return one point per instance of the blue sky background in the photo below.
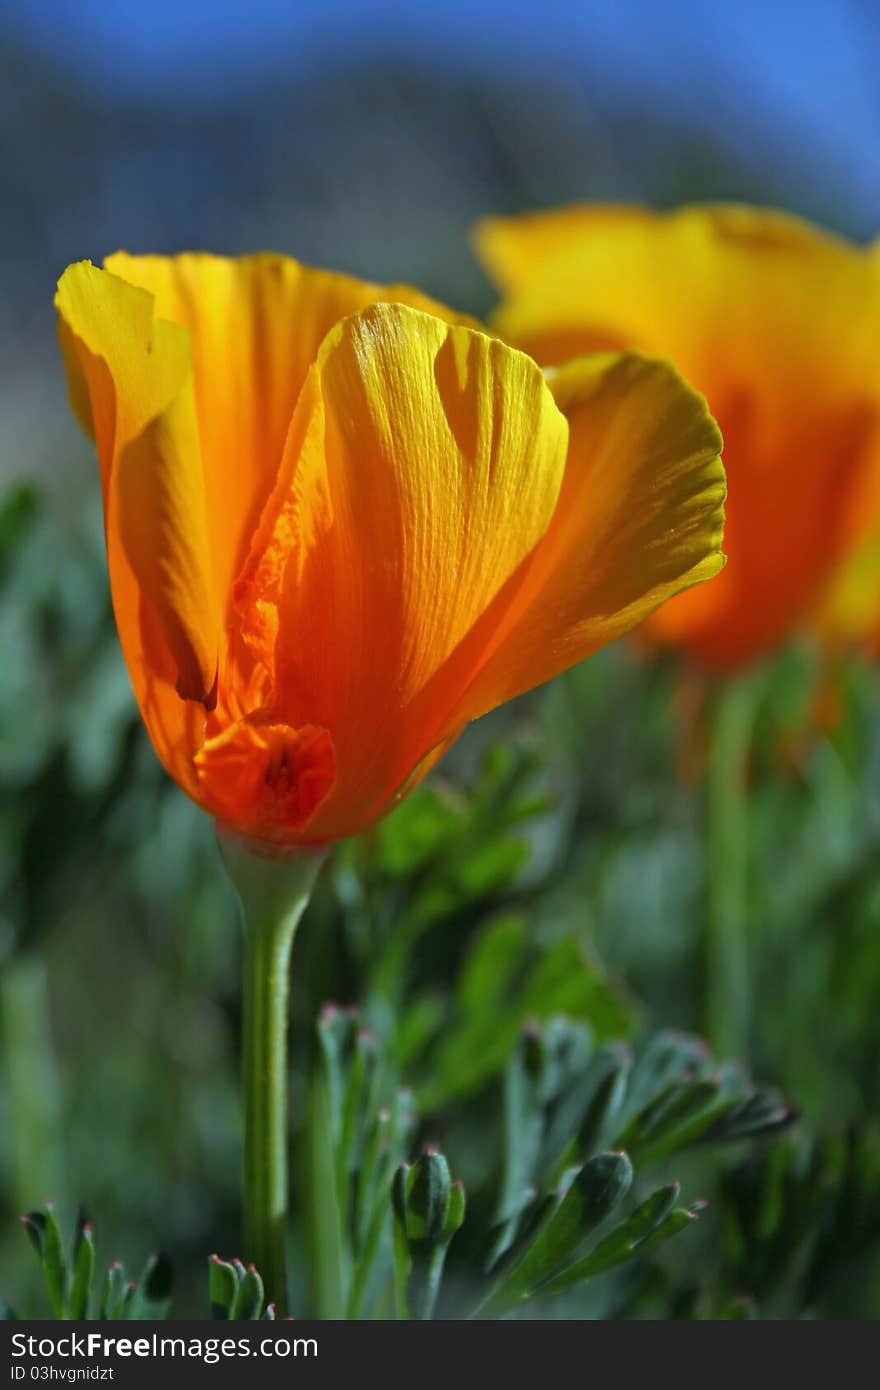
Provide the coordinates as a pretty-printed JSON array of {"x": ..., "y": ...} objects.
[
  {"x": 803, "y": 73},
  {"x": 772, "y": 78}
]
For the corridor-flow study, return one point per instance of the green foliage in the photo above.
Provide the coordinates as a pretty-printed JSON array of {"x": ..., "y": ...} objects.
[
  {"x": 504, "y": 982},
  {"x": 448, "y": 869},
  {"x": 73, "y": 1288},
  {"x": 562, "y": 1213},
  {"x": 556, "y": 853},
  {"x": 236, "y": 1292},
  {"x": 77, "y": 1292},
  {"x": 581, "y": 1123},
  {"x": 800, "y": 1221},
  {"x": 428, "y": 1209},
  {"x": 363, "y": 1128}
]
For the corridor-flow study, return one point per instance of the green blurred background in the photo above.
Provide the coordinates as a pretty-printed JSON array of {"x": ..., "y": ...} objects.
[{"x": 577, "y": 815}]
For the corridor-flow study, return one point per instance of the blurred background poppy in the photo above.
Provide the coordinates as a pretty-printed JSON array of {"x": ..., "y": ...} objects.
[{"x": 371, "y": 138}]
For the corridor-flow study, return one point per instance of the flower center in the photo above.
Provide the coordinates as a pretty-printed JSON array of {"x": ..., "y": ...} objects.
[{"x": 266, "y": 779}]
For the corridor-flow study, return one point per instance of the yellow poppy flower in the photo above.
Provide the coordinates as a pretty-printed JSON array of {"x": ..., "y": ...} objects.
[
  {"x": 341, "y": 523},
  {"x": 778, "y": 324}
]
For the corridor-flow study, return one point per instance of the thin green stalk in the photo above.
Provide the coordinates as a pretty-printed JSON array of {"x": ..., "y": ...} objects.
[
  {"x": 329, "y": 1265},
  {"x": 371, "y": 1212},
  {"x": 402, "y": 1270},
  {"x": 427, "y": 1275},
  {"x": 367, "y": 1259},
  {"x": 274, "y": 893},
  {"x": 727, "y": 976}
]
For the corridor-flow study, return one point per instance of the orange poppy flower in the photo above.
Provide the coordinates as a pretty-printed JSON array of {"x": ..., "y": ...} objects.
[
  {"x": 778, "y": 324},
  {"x": 340, "y": 523}
]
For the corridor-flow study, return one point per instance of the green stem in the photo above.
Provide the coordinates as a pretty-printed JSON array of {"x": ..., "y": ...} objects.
[
  {"x": 427, "y": 1272},
  {"x": 727, "y": 983},
  {"x": 266, "y": 1000},
  {"x": 329, "y": 1272},
  {"x": 274, "y": 893}
]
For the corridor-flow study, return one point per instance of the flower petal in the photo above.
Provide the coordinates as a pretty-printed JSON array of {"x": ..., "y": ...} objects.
[
  {"x": 423, "y": 466},
  {"x": 255, "y": 324},
  {"x": 639, "y": 518},
  {"x": 131, "y": 386},
  {"x": 513, "y": 248},
  {"x": 778, "y": 324},
  {"x": 775, "y": 576},
  {"x": 731, "y": 294}
]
